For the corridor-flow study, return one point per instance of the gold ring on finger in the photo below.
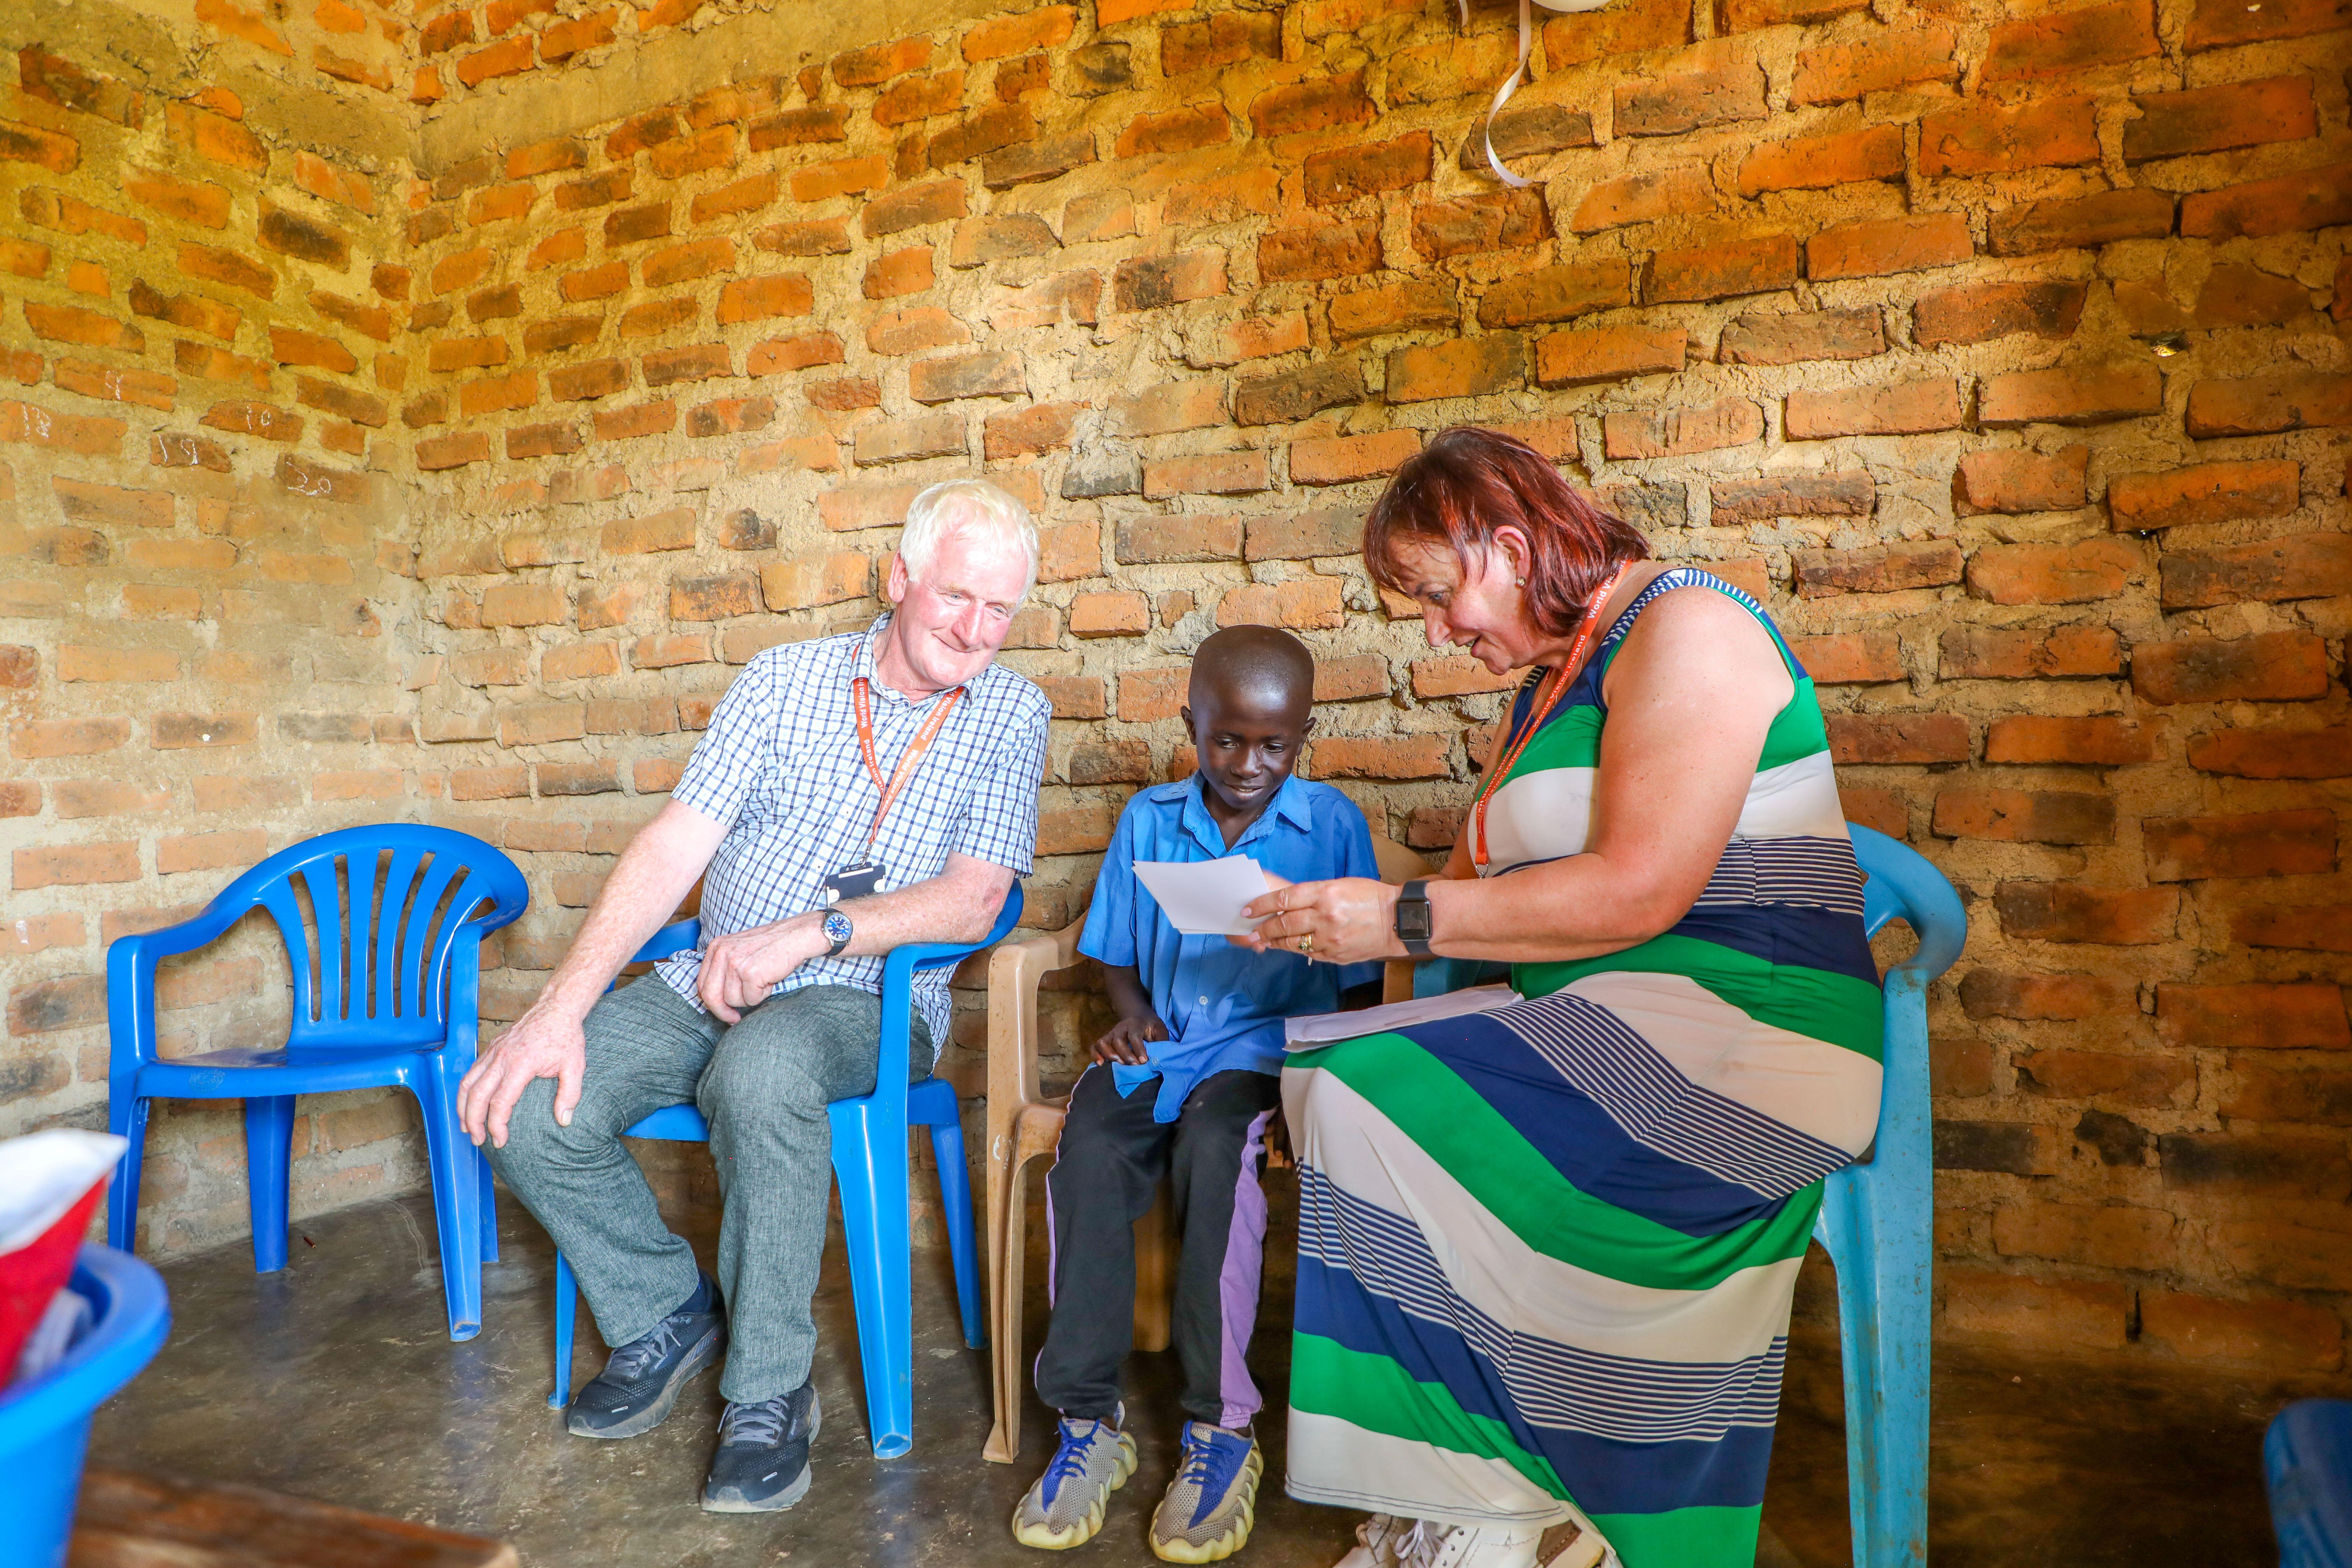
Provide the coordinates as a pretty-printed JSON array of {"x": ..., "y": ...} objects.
[{"x": 1306, "y": 943}]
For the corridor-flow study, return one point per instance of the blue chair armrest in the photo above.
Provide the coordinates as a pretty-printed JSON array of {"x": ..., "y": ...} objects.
[
  {"x": 898, "y": 970},
  {"x": 1905, "y": 886},
  {"x": 131, "y": 962}
]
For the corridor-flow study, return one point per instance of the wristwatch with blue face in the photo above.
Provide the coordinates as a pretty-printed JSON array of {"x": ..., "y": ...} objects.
[{"x": 837, "y": 931}]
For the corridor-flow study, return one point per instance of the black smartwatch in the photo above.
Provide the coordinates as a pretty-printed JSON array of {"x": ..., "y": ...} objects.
[
  {"x": 837, "y": 933},
  {"x": 1412, "y": 918}
]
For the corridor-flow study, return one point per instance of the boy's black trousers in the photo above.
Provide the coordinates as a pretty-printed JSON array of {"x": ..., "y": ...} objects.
[{"x": 1106, "y": 1169}]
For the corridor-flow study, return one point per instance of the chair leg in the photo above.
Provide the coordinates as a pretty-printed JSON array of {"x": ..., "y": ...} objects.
[
  {"x": 567, "y": 1300},
  {"x": 268, "y": 1176},
  {"x": 1155, "y": 1274},
  {"x": 1884, "y": 1307},
  {"x": 874, "y": 1223},
  {"x": 126, "y": 1117},
  {"x": 489, "y": 1208},
  {"x": 955, "y": 1203},
  {"x": 453, "y": 1164},
  {"x": 1008, "y": 1257}
]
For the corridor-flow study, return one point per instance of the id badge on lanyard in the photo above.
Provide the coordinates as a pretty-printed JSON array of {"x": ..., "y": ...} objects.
[{"x": 863, "y": 877}]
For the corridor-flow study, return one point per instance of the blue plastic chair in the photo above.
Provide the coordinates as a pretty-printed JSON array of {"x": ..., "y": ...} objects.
[
  {"x": 45, "y": 1425},
  {"x": 2308, "y": 1467},
  {"x": 869, "y": 1161},
  {"x": 1878, "y": 1223},
  {"x": 386, "y": 960}
]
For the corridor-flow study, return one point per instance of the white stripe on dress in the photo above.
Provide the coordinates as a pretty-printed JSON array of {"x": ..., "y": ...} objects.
[
  {"x": 1796, "y": 799},
  {"x": 1539, "y": 816},
  {"x": 1346, "y": 1465},
  {"x": 1821, "y": 1089}
]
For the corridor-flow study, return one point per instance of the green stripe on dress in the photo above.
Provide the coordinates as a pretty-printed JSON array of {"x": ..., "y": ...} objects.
[
  {"x": 1452, "y": 1123},
  {"x": 1797, "y": 730},
  {"x": 1371, "y": 1390},
  {"x": 1836, "y": 1009}
]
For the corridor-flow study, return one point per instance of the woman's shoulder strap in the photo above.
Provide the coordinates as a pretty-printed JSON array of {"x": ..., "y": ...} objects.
[{"x": 1674, "y": 577}]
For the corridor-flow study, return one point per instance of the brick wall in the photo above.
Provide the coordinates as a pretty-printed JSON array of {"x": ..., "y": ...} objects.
[
  {"x": 1997, "y": 351},
  {"x": 202, "y": 580}
]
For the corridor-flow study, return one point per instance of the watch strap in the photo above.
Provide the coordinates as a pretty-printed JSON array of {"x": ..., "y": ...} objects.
[{"x": 1412, "y": 899}]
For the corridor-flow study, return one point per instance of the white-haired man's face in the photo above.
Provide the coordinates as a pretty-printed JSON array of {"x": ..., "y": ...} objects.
[{"x": 950, "y": 620}]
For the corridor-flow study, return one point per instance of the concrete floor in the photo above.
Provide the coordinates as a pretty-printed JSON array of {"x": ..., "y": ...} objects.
[{"x": 334, "y": 1380}]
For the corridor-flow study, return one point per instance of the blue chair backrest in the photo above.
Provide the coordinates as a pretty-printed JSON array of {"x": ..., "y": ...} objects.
[
  {"x": 1904, "y": 886},
  {"x": 371, "y": 917}
]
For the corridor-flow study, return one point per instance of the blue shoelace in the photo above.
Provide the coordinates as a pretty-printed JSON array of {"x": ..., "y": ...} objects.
[
  {"x": 1210, "y": 1465},
  {"x": 1069, "y": 1460}
]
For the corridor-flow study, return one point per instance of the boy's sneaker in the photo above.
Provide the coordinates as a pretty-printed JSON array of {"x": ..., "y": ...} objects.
[
  {"x": 641, "y": 1380},
  {"x": 1065, "y": 1507},
  {"x": 762, "y": 1462},
  {"x": 1212, "y": 1503}
]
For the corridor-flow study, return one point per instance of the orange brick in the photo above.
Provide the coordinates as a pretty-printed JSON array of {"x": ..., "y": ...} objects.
[{"x": 72, "y": 866}]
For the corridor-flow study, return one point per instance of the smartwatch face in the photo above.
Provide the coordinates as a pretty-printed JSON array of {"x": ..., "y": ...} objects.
[
  {"x": 836, "y": 927},
  {"x": 1412, "y": 919}
]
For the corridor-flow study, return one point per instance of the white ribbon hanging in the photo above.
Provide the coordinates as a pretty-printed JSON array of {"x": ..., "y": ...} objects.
[
  {"x": 1510, "y": 86},
  {"x": 1511, "y": 83}
]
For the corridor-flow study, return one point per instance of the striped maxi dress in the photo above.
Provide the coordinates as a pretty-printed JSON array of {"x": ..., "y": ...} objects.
[{"x": 1545, "y": 1254}]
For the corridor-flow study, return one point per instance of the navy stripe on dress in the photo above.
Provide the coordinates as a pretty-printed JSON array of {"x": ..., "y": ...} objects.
[{"x": 1578, "y": 1137}]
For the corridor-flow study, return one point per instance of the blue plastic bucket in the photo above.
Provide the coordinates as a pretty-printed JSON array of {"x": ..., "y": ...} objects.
[{"x": 45, "y": 1425}]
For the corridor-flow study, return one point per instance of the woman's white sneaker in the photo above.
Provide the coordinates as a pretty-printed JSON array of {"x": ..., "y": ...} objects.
[
  {"x": 1376, "y": 1540},
  {"x": 1429, "y": 1544}
]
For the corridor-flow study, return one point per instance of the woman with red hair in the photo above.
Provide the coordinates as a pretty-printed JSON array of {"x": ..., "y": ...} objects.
[{"x": 1546, "y": 1252}]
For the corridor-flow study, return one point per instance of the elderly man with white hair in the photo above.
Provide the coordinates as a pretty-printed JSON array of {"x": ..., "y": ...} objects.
[{"x": 852, "y": 794}]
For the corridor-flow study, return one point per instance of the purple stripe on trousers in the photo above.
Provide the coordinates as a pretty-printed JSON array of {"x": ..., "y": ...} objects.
[{"x": 1237, "y": 1283}]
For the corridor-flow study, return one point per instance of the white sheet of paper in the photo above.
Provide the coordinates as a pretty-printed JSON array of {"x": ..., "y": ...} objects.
[
  {"x": 1322, "y": 1028},
  {"x": 1205, "y": 898}
]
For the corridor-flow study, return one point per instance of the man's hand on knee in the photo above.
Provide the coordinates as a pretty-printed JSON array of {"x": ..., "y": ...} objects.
[{"x": 545, "y": 1042}]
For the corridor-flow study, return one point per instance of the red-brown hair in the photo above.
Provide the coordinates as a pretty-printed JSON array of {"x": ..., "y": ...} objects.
[{"x": 1467, "y": 483}]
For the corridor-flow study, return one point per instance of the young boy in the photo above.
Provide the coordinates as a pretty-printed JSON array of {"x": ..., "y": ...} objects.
[{"x": 1183, "y": 1086}]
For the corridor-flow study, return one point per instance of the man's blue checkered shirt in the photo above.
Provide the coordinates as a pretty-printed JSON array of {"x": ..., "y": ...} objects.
[{"x": 780, "y": 767}]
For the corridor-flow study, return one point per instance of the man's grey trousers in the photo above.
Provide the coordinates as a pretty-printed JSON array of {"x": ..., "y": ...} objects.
[{"x": 763, "y": 1085}]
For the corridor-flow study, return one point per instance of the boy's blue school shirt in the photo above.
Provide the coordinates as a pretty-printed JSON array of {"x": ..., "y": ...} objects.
[{"x": 1224, "y": 1004}]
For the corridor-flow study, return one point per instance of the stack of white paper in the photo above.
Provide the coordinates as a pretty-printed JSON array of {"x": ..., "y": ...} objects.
[{"x": 1322, "y": 1028}]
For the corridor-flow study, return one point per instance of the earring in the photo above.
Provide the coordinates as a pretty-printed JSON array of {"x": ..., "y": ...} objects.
[{"x": 1519, "y": 581}]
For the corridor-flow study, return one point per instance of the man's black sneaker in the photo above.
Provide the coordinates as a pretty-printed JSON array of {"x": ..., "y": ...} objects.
[
  {"x": 762, "y": 1463},
  {"x": 641, "y": 1380}
]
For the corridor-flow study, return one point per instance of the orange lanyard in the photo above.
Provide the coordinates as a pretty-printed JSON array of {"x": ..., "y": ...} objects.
[
  {"x": 1547, "y": 697},
  {"x": 908, "y": 759}
]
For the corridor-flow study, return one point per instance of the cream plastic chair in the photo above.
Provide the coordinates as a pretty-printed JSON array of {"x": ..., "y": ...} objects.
[{"x": 1023, "y": 1124}]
